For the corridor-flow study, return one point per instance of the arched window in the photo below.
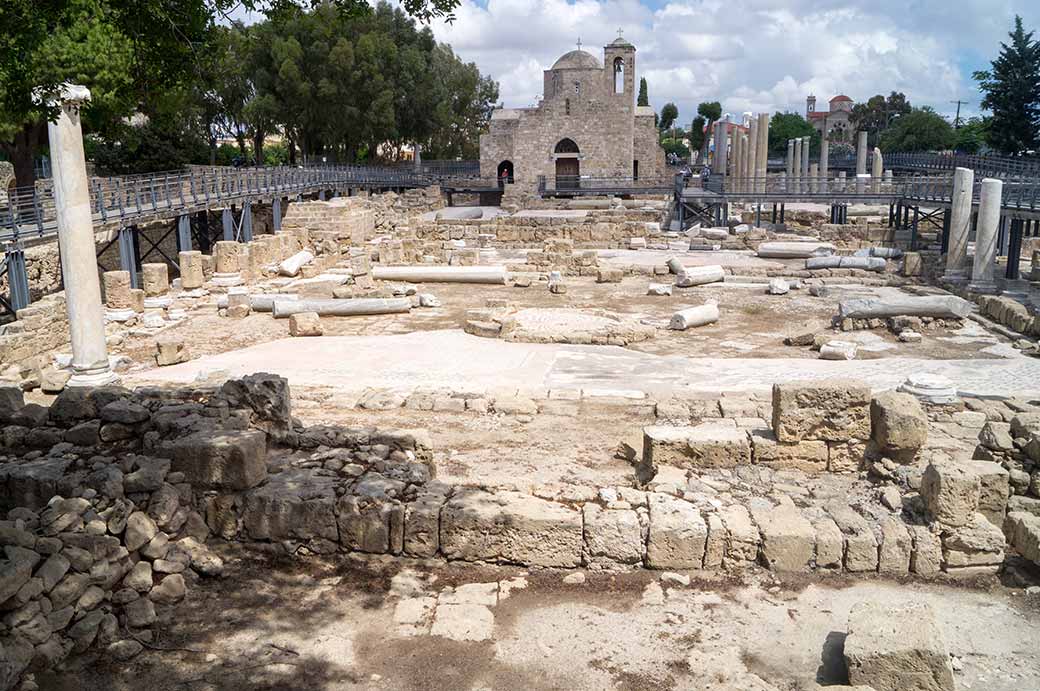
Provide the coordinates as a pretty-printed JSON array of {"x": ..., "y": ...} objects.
[
  {"x": 567, "y": 106},
  {"x": 555, "y": 85},
  {"x": 566, "y": 146},
  {"x": 619, "y": 75}
]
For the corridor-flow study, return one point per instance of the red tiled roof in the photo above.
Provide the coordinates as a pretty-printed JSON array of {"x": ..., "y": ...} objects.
[
  {"x": 842, "y": 97},
  {"x": 817, "y": 114}
]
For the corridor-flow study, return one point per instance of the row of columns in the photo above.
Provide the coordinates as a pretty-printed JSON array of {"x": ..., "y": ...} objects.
[
  {"x": 743, "y": 155},
  {"x": 803, "y": 176},
  {"x": 980, "y": 276}
]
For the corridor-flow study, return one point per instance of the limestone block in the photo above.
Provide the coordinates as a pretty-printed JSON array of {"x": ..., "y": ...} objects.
[
  {"x": 192, "y": 275},
  {"x": 609, "y": 276},
  {"x": 422, "y": 525},
  {"x": 305, "y": 324},
  {"x": 510, "y": 527},
  {"x": 978, "y": 543},
  {"x": 896, "y": 547},
  {"x": 897, "y": 648},
  {"x": 368, "y": 526},
  {"x": 137, "y": 300},
  {"x": 807, "y": 456},
  {"x": 708, "y": 445},
  {"x": 845, "y": 457},
  {"x": 743, "y": 539},
  {"x": 678, "y": 534},
  {"x": 788, "y": 539},
  {"x": 612, "y": 536},
  {"x": 117, "y": 290},
  {"x": 170, "y": 352},
  {"x": 951, "y": 490},
  {"x": 926, "y": 557},
  {"x": 225, "y": 256},
  {"x": 835, "y": 410},
  {"x": 994, "y": 489},
  {"x": 900, "y": 426},
  {"x": 294, "y": 504},
  {"x": 861, "y": 547},
  {"x": 715, "y": 546},
  {"x": 1023, "y": 530},
  {"x": 155, "y": 279},
  {"x": 830, "y": 544},
  {"x": 233, "y": 460}
]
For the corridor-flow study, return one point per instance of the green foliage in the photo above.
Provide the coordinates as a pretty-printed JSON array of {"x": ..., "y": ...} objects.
[
  {"x": 696, "y": 133},
  {"x": 970, "y": 138},
  {"x": 920, "y": 130},
  {"x": 644, "y": 97},
  {"x": 877, "y": 114},
  {"x": 1011, "y": 89},
  {"x": 675, "y": 146},
  {"x": 669, "y": 113},
  {"x": 710, "y": 110},
  {"x": 785, "y": 126}
]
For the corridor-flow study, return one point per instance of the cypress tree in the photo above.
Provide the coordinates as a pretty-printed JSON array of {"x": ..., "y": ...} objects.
[
  {"x": 644, "y": 98},
  {"x": 1012, "y": 93}
]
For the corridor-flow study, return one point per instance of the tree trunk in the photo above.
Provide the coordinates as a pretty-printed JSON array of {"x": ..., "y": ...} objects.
[
  {"x": 21, "y": 150},
  {"x": 292, "y": 151},
  {"x": 258, "y": 148},
  {"x": 240, "y": 135}
]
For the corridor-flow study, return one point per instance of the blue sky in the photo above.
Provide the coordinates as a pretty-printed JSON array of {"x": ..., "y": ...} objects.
[{"x": 752, "y": 55}]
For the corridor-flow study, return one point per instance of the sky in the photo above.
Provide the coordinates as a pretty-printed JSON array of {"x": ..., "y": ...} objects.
[{"x": 751, "y": 55}]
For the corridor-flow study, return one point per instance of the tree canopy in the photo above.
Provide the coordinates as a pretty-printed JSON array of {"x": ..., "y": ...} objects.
[
  {"x": 784, "y": 126},
  {"x": 920, "y": 130},
  {"x": 877, "y": 114},
  {"x": 644, "y": 97},
  {"x": 710, "y": 110},
  {"x": 669, "y": 113},
  {"x": 331, "y": 75},
  {"x": 1011, "y": 92}
]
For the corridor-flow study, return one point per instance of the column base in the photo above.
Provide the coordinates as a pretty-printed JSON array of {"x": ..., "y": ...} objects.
[
  {"x": 955, "y": 277},
  {"x": 227, "y": 280},
  {"x": 984, "y": 287},
  {"x": 92, "y": 377},
  {"x": 929, "y": 387},
  {"x": 159, "y": 302},
  {"x": 119, "y": 315}
]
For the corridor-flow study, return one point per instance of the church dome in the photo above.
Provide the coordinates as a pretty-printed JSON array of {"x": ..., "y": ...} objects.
[
  {"x": 577, "y": 60},
  {"x": 620, "y": 42}
]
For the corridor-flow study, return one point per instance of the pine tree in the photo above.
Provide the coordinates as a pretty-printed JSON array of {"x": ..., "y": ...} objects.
[
  {"x": 644, "y": 98},
  {"x": 1012, "y": 93}
]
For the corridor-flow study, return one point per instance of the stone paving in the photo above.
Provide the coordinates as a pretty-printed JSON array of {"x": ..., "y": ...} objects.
[{"x": 451, "y": 359}]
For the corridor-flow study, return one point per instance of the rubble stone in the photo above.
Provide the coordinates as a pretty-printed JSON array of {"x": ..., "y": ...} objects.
[
  {"x": 836, "y": 410},
  {"x": 900, "y": 426},
  {"x": 678, "y": 534},
  {"x": 951, "y": 492}
]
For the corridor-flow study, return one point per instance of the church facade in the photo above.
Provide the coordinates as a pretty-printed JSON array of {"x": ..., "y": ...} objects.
[
  {"x": 587, "y": 125},
  {"x": 836, "y": 122}
]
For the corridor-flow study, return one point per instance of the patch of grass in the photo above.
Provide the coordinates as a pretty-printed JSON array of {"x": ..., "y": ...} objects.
[{"x": 754, "y": 309}]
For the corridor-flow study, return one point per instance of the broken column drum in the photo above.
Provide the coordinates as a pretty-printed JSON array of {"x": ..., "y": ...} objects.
[
  {"x": 694, "y": 316},
  {"x": 192, "y": 276},
  {"x": 226, "y": 270}
]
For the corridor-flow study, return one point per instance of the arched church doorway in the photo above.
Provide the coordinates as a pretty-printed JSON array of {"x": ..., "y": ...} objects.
[
  {"x": 568, "y": 168},
  {"x": 505, "y": 173}
]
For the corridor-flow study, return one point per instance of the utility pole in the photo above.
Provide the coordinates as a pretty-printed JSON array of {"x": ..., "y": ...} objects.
[{"x": 957, "y": 119}]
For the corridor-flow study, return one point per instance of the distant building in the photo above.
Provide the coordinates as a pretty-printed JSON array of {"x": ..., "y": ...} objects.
[
  {"x": 586, "y": 125},
  {"x": 834, "y": 123}
]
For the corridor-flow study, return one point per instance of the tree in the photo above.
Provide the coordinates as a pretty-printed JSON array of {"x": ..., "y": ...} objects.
[
  {"x": 920, "y": 130},
  {"x": 644, "y": 98},
  {"x": 697, "y": 133},
  {"x": 785, "y": 126},
  {"x": 1011, "y": 89},
  {"x": 877, "y": 114},
  {"x": 971, "y": 136},
  {"x": 675, "y": 146},
  {"x": 711, "y": 111},
  {"x": 669, "y": 113}
]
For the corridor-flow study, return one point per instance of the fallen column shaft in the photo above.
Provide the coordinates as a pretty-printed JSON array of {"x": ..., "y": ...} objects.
[
  {"x": 937, "y": 306},
  {"x": 795, "y": 250},
  {"x": 699, "y": 275},
  {"x": 441, "y": 274},
  {"x": 342, "y": 308},
  {"x": 835, "y": 262},
  {"x": 261, "y": 302},
  {"x": 694, "y": 316}
]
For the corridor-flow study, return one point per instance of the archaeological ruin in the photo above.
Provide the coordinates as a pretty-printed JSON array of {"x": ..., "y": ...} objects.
[{"x": 777, "y": 430}]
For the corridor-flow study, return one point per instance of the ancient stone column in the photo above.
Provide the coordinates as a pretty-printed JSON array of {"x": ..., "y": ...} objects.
[
  {"x": 155, "y": 280},
  {"x": 76, "y": 242},
  {"x": 752, "y": 156},
  {"x": 861, "y": 153},
  {"x": 796, "y": 166},
  {"x": 192, "y": 276},
  {"x": 862, "y": 183},
  {"x": 734, "y": 162},
  {"x": 960, "y": 225},
  {"x": 841, "y": 181},
  {"x": 877, "y": 169},
  {"x": 983, "y": 266},
  {"x": 790, "y": 158},
  {"x": 719, "y": 163},
  {"x": 825, "y": 153},
  {"x": 814, "y": 177},
  {"x": 805, "y": 164},
  {"x": 118, "y": 304},
  {"x": 762, "y": 152},
  {"x": 226, "y": 270}
]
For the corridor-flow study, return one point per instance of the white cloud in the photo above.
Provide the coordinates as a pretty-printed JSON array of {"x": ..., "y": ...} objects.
[{"x": 759, "y": 55}]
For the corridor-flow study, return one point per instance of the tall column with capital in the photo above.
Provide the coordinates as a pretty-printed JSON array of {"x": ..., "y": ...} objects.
[
  {"x": 825, "y": 153},
  {"x": 76, "y": 242},
  {"x": 762, "y": 152}
]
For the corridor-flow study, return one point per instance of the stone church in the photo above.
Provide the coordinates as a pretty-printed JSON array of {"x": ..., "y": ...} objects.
[
  {"x": 587, "y": 125},
  {"x": 834, "y": 123}
]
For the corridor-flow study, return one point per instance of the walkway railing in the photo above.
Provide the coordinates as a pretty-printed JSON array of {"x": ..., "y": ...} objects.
[
  {"x": 29, "y": 212},
  {"x": 986, "y": 165}
]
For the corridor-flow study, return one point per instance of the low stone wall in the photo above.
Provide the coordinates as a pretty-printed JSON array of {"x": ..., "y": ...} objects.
[
  {"x": 610, "y": 228},
  {"x": 26, "y": 345},
  {"x": 1009, "y": 313}
]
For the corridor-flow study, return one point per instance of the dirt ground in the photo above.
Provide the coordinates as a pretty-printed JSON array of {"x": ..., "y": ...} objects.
[{"x": 329, "y": 623}]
